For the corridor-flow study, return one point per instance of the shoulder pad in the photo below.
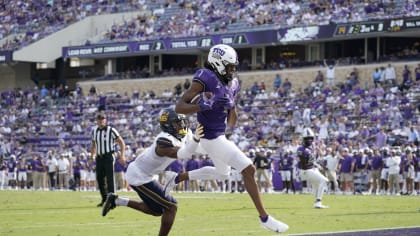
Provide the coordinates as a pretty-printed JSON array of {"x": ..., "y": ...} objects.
[{"x": 164, "y": 142}]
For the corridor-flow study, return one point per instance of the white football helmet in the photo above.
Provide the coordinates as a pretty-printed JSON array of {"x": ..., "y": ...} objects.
[
  {"x": 308, "y": 136},
  {"x": 308, "y": 133},
  {"x": 220, "y": 57}
]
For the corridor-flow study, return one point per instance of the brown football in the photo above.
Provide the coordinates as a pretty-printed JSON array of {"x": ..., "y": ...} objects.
[{"x": 197, "y": 98}]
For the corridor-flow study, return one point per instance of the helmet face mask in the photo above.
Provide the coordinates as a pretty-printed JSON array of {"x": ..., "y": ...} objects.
[
  {"x": 223, "y": 59},
  {"x": 173, "y": 123}
]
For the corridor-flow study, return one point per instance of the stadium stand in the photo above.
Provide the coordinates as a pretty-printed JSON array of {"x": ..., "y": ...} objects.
[
  {"x": 38, "y": 120},
  {"x": 23, "y": 24}
]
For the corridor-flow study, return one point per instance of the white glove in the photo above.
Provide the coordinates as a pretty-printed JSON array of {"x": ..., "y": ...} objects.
[{"x": 199, "y": 132}]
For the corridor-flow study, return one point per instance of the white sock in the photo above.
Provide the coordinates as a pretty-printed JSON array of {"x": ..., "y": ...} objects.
[{"x": 121, "y": 201}]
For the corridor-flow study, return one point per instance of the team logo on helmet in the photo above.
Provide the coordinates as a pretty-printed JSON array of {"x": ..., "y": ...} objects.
[{"x": 173, "y": 123}]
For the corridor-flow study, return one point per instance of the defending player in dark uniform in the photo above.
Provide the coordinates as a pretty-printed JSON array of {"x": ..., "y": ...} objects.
[
  {"x": 173, "y": 142},
  {"x": 308, "y": 167}
]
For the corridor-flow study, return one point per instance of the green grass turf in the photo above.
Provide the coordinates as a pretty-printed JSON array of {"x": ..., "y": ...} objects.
[{"x": 33, "y": 213}]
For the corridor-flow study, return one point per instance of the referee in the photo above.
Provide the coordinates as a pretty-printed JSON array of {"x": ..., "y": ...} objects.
[{"x": 102, "y": 150}]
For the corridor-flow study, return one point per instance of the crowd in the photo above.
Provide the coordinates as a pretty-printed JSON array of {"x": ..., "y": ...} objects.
[
  {"x": 207, "y": 17},
  {"x": 42, "y": 128},
  {"x": 35, "y": 19}
]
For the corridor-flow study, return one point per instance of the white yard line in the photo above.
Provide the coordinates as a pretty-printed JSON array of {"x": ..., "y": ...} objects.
[{"x": 355, "y": 231}]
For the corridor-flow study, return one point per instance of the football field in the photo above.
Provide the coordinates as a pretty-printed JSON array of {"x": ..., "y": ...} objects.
[{"x": 36, "y": 213}]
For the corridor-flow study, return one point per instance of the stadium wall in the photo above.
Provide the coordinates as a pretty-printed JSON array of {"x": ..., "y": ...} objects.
[
  {"x": 300, "y": 78},
  {"x": 14, "y": 76}
]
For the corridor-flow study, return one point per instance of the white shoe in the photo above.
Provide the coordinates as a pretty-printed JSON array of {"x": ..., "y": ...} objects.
[
  {"x": 318, "y": 205},
  {"x": 170, "y": 182},
  {"x": 274, "y": 225}
]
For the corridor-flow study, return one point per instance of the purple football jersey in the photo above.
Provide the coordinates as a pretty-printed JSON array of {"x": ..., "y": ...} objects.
[
  {"x": 214, "y": 120},
  {"x": 306, "y": 158}
]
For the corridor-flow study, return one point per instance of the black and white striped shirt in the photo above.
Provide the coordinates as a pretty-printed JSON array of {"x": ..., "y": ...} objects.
[{"x": 104, "y": 139}]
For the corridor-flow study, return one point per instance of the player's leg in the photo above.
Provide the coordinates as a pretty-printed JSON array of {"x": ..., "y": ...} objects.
[
  {"x": 319, "y": 182},
  {"x": 223, "y": 151},
  {"x": 155, "y": 203}
]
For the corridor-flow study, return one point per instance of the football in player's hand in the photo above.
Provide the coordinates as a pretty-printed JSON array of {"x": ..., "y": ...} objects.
[{"x": 197, "y": 98}]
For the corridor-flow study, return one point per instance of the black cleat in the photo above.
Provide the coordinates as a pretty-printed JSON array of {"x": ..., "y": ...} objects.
[
  {"x": 100, "y": 204},
  {"x": 109, "y": 203}
]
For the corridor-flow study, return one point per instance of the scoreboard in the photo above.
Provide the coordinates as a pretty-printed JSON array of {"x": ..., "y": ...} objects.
[{"x": 359, "y": 28}]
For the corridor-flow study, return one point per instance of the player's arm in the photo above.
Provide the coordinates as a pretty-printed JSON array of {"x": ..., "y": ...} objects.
[
  {"x": 232, "y": 118},
  {"x": 184, "y": 152},
  {"x": 183, "y": 105},
  {"x": 93, "y": 149},
  {"x": 165, "y": 148}
]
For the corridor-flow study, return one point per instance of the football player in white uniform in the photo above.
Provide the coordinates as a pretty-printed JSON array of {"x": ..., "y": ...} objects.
[{"x": 174, "y": 142}]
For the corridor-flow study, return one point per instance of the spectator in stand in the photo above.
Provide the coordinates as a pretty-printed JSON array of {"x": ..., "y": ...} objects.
[
  {"x": 417, "y": 73},
  {"x": 287, "y": 86},
  {"x": 44, "y": 92},
  {"x": 187, "y": 84},
  {"x": 381, "y": 138},
  {"x": 92, "y": 90},
  {"x": 178, "y": 89},
  {"x": 407, "y": 81},
  {"x": 319, "y": 80},
  {"x": 390, "y": 75},
  {"x": 277, "y": 82},
  {"x": 413, "y": 136},
  {"x": 330, "y": 73},
  {"x": 102, "y": 102},
  {"x": 376, "y": 77}
]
